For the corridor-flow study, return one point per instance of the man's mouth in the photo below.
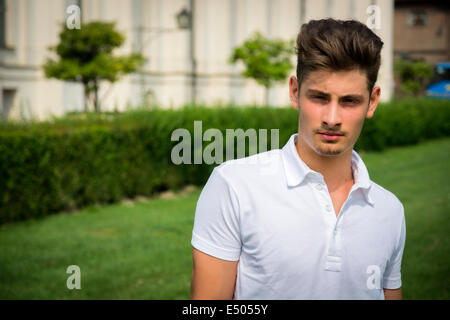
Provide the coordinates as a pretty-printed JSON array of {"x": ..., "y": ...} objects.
[{"x": 330, "y": 136}]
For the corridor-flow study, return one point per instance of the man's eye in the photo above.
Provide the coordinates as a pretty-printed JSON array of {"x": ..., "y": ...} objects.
[
  {"x": 349, "y": 101},
  {"x": 318, "y": 98}
]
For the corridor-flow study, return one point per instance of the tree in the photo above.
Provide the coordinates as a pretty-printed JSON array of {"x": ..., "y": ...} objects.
[
  {"x": 85, "y": 55},
  {"x": 413, "y": 75},
  {"x": 267, "y": 60}
]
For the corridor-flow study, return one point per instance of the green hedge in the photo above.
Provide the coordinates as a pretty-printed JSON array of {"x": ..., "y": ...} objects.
[
  {"x": 70, "y": 163},
  {"x": 405, "y": 122}
]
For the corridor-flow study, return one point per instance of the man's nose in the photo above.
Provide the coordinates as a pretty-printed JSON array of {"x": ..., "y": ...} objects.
[{"x": 332, "y": 115}]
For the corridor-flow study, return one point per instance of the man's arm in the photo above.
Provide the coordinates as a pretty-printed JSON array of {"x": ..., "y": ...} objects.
[
  {"x": 212, "y": 278},
  {"x": 392, "y": 276},
  {"x": 393, "y": 294}
]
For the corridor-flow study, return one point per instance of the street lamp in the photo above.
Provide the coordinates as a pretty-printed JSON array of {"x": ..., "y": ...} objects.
[{"x": 185, "y": 21}]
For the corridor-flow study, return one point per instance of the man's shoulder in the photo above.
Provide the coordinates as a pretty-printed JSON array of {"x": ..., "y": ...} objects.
[
  {"x": 386, "y": 198},
  {"x": 260, "y": 165}
]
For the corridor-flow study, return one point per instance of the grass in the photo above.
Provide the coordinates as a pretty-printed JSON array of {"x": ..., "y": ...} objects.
[
  {"x": 124, "y": 252},
  {"x": 142, "y": 251},
  {"x": 420, "y": 177}
]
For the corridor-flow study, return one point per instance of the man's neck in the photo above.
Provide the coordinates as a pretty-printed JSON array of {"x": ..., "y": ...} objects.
[{"x": 336, "y": 170}]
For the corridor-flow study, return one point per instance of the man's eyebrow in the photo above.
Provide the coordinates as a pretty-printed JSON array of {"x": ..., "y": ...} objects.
[
  {"x": 317, "y": 92},
  {"x": 354, "y": 96}
]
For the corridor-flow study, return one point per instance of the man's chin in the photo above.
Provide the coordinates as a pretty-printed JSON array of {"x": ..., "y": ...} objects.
[{"x": 329, "y": 151}]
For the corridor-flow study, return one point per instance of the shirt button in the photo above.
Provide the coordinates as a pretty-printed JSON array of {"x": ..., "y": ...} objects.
[
  {"x": 328, "y": 208},
  {"x": 319, "y": 187}
]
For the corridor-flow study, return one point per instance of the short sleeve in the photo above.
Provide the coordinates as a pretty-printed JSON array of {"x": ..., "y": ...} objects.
[
  {"x": 392, "y": 275},
  {"x": 216, "y": 225}
]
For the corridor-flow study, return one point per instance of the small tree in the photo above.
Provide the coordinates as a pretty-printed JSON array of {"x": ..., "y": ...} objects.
[
  {"x": 267, "y": 60},
  {"x": 413, "y": 75},
  {"x": 85, "y": 55}
]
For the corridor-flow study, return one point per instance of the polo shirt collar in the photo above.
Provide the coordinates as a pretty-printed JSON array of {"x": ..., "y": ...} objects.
[{"x": 297, "y": 171}]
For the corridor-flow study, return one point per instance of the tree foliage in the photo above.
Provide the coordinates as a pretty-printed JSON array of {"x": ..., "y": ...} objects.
[
  {"x": 413, "y": 75},
  {"x": 267, "y": 61},
  {"x": 86, "y": 55}
]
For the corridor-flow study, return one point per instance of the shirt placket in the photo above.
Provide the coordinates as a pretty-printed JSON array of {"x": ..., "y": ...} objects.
[{"x": 333, "y": 258}]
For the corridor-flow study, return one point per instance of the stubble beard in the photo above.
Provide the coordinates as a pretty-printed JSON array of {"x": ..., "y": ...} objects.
[{"x": 328, "y": 151}]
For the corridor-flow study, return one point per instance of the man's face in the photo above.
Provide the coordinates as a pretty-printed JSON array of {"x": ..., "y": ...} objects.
[{"x": 333, "y": 106}]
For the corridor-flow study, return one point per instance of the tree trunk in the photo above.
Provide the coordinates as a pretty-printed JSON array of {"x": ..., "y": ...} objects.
[
  {"x": 86, "y": 97},
  {"x": 266, "y": 99},
  {"x": 96, "y": 104}
]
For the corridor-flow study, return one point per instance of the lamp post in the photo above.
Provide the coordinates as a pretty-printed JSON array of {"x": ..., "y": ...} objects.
[{"x": 185, "y": 20}]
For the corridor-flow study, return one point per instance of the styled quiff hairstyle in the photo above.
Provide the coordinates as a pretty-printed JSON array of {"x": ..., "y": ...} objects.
[{"x": 336, "y": 45}]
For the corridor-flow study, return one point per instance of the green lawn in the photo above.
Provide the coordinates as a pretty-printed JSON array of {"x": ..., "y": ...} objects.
[{"x": 143, "y": 251}]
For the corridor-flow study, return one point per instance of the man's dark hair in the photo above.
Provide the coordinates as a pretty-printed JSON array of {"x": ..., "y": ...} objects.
[{"x": 337, "y": 45}]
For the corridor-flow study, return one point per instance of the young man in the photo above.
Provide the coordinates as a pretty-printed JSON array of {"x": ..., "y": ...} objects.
[{"x": 314, "y": 226}]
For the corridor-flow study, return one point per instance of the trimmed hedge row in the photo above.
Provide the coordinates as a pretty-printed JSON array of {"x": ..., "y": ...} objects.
[
  {"x": 68, "y": 164},
  {"x": 405, "y": 122}
]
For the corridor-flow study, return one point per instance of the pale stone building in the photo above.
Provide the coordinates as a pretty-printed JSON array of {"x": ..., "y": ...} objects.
[{"x": 29, "y": 27}]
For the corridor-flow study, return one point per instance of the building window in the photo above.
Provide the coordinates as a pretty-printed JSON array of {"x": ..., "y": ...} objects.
[
  {"x": 7, "y": 99},
  {"x": 417, "y": 18},
  {"x": 2, "y": 24}
]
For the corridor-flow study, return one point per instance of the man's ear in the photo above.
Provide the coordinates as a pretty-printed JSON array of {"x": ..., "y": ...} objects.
[
  {"x": 294, "y": 91},
  {"x": 373, "y": 101}
]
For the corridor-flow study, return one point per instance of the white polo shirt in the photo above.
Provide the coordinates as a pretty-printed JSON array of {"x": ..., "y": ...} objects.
[{"x": 274, "y": 214}]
